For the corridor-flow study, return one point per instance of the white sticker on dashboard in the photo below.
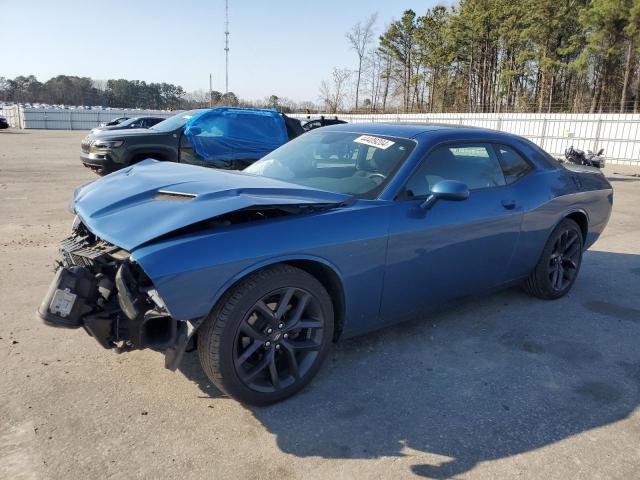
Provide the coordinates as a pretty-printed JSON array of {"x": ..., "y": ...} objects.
[{"x": 372, "y": 141}]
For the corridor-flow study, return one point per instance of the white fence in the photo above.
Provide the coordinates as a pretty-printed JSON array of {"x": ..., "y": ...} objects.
[
  {"x": 618, "y": 134},
  {"x": 68, "y": 119}
]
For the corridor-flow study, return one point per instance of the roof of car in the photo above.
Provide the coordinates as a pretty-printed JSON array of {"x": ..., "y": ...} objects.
[
  {"x": 414, "y": 130},
  {"x": 407, "y": 130}
]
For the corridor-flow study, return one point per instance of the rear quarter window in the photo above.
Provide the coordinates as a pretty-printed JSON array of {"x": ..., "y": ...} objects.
[{"x": 513, "y": 165}]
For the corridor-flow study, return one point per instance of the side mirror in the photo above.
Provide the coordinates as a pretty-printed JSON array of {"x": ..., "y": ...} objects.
[
  {"x": 193, "y": 130},
  {"x": 451, "y": 190},
  {"x": 600, "y": 152}
]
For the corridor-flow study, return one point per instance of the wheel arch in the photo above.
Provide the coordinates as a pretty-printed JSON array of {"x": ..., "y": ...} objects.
[
  {"x": 321, "y": 269},
  {"x": 332, "y": 282},
  {"x": 138, "y": 157},
  {"x": 577, "y": 215},
  {"x": 582, "y": 219}
]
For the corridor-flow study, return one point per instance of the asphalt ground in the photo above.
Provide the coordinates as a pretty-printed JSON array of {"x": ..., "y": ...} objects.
[{"x": 505, "y": 386}]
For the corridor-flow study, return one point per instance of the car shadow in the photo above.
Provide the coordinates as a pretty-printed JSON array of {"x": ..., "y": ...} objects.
[
  {"x": 492, "y": 378},
  {"x": 190, "y": 368}
]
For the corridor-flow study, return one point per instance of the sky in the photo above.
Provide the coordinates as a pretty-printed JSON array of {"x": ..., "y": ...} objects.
[{"x": 277, "y": 47}]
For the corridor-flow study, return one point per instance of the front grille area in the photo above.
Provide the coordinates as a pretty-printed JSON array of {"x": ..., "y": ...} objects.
[{"x": 86, "y": 250}]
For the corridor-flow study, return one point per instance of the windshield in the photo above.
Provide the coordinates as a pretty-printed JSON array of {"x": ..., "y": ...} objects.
[
  {"x": 127, "y": 122},
  {"x": 175, "y": 122},
  {"x": 339, "y": 162}
]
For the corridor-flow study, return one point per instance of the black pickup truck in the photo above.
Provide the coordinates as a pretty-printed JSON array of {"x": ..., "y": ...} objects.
[{"x": 110, "y": 150}]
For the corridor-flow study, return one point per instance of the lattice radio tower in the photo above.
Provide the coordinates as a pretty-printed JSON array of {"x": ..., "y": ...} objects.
[{"x": 226, "y": 48}]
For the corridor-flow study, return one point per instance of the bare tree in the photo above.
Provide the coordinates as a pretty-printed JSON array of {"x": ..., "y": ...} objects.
[
  {"x": 307, "y": 107},
  {"x": 386, "y": 71},
  {"x": 99, "y": 84},
  {"x": 374, "y": 68},
  {"x": 360, "y": 36},
  {"x": 326, "y": 96},
  {"x": 4, "y": 88},
  {"x": 198, "y": 97},
  {"x": 332, "y": 93}
]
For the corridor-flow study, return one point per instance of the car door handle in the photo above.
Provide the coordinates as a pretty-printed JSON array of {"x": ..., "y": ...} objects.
[{"x": 509, "y": 204}]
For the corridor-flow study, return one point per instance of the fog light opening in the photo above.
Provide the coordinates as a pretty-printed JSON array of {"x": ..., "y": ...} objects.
[{"x": 159, "y": 332}]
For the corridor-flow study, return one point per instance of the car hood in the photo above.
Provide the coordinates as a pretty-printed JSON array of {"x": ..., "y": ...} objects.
[
  {"x": 136, "y": 205},
  {"x": 123, "y": 133},
  {"x": 106, "y": 128}
]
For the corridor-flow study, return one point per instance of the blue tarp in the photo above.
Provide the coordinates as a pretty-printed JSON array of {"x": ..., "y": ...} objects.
[{"x": 235, "y": 133}]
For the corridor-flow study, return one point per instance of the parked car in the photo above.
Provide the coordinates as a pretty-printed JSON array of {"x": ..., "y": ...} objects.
[
  {"x": 137, "y": 122},
  {"x": 313, "y": 123},
  {"x": 230, "y": 138},
  {"x": 113, "y": 122},
  {"x": 3, "y": 123},
  {"x": 341, "y": 231}
]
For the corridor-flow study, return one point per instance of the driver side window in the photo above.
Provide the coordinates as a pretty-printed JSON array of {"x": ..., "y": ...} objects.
[{"x": 475, "y": 165}]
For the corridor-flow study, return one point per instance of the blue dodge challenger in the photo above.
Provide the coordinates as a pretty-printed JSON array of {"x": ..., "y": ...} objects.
[{"x": 343, "y": 230}]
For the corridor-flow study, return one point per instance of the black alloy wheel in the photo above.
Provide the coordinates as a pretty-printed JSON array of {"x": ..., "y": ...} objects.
[
  {"x": 559, "y": 264},
  {"x": 268, "y": 336},
  {"x": 564, "y": 260},
  {"x": 278, "y": 340}
]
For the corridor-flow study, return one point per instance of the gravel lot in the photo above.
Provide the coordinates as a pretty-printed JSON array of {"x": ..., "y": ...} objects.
[{"x": 501, "y": 387}]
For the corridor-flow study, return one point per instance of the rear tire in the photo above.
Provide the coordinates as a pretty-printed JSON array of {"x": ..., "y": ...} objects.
[
  {"x": 268, "y": 336},
  {"x": 559, "y": 264}
]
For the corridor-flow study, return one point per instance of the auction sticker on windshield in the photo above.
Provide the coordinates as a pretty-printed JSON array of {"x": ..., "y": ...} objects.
[{"x": 372, "y": 141}]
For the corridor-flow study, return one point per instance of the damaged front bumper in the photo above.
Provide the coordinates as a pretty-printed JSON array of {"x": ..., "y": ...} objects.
[{"x": 98, "y": 287}]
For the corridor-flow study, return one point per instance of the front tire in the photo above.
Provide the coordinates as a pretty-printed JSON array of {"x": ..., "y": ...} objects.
[
  {"x": 559, "y": 264},
  {"x": 268, "y": 336}
]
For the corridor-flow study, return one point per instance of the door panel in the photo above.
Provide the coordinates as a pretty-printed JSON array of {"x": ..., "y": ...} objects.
[
  {"x": 453, "y": 250},
  {"x": 186, "y": 153}
]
